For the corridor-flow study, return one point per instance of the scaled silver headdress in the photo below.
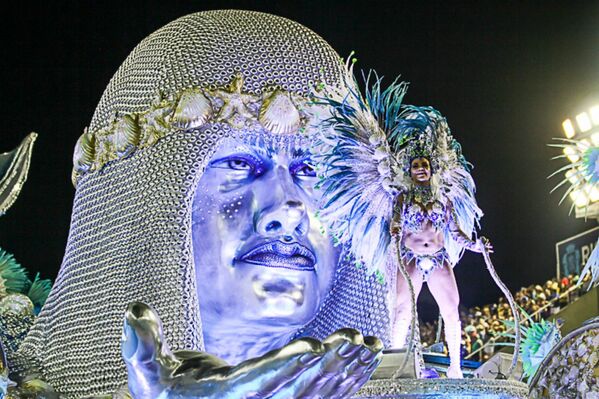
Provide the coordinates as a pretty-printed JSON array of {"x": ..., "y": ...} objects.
[{"x": 136, "y": 170}]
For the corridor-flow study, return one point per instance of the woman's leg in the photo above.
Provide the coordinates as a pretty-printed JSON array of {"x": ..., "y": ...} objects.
[
  {"x": 403, "y": 305},
  {"x": 444, "y": 289}
]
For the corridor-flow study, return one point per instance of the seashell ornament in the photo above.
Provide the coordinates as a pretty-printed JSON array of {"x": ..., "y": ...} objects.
[
  {"x": 85, "y": 152},
  {"x": 193, "y": 110},
  {"x": 279, "y": 114},
  {"x": 126, "y": 135},
  {"x": 155, "y": 123},
  {"x": 105, "y": 151}
]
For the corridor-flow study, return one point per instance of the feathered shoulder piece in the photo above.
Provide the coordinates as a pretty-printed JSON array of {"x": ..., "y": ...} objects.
[{"x": 363, "y": 147}]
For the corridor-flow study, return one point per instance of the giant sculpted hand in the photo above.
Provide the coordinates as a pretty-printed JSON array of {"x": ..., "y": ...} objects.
[{"x": 335, "y": 368}]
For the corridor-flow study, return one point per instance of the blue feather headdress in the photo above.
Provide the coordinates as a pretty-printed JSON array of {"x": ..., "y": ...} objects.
[{"x": 361, "y": 152}]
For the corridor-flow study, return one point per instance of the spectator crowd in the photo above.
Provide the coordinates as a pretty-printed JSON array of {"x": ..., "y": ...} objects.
[{"x": 484, "y": 324}]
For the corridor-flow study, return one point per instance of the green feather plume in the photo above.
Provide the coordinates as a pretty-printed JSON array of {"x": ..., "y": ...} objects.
[
  {"x": 39, "y": 291},
  {"x": 13, "y": 277},
  {"x": 539, "y": 338}
]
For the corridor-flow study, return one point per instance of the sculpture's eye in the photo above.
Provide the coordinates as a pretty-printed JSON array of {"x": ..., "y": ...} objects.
[
  {"x": 239, "y": 166},
  {"x": 303, "y": 169},
  {"x": 306, "y": 170}
]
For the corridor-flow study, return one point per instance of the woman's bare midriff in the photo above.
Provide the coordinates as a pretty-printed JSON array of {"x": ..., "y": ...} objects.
[{"x": 426, "y": 242}]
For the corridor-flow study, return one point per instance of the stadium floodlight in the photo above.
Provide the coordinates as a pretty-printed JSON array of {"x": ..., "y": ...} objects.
[
  {"x": 568, "y": 128},
  {"x": 584, "y": 122}
]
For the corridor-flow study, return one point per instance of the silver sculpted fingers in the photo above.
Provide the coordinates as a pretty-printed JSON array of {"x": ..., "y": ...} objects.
[
  {"x": 335, "y": 368},
  {"x": 349, "y": 362},
  {"x": 154, "y": 370}
]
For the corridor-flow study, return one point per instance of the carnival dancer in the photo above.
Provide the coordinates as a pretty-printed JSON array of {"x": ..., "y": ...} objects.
[
  {"x": 394, "y": 177},
  {"x": 426, "y": 223}
]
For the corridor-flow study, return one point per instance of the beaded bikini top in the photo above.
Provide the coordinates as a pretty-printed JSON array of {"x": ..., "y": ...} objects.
[{"x": 414, "y": 215}]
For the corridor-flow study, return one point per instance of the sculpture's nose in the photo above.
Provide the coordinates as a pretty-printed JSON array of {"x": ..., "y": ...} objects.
[
  {"x": 286, "y": 217},
  {"x": 286, "y": 220}
]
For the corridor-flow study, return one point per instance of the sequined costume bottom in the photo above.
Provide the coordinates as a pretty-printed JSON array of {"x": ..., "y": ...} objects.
[{"x": 426, "y": 264}]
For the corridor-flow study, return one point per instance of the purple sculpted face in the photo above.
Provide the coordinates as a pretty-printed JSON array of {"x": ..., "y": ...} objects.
[{"x": 263, "y": 261}]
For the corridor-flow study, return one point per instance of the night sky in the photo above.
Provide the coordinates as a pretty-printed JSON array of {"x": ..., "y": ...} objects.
[{"x": 505, "y": 74}]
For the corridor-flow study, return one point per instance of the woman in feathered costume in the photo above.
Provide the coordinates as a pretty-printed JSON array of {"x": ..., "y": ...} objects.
[
  {"x": 433, "y": 221},
  {"x": 394, "y": 177}
]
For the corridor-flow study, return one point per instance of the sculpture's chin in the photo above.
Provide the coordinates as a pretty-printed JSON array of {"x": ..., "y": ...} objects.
[{"x": 281, "y": 306}]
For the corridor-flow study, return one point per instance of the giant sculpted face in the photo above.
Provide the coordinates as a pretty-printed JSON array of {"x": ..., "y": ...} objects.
[
  {"x": 220, "y": 99},
  {"x": 263, "y": 261}
]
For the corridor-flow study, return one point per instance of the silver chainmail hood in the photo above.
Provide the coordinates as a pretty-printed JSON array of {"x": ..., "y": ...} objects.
[{"x": 130, "y": 235}]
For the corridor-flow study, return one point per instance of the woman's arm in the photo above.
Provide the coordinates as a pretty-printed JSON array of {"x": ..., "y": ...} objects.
[{"x": 462, "y": 238}]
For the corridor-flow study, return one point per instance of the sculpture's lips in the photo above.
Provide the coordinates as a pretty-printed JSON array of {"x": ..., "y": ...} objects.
[{"x": 278, "y": 254}]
